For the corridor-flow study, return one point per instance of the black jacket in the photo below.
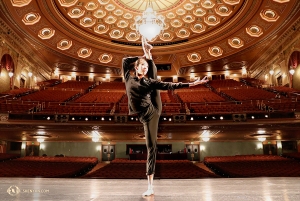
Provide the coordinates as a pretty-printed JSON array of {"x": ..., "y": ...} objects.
[{"x": 142, "y": 92}]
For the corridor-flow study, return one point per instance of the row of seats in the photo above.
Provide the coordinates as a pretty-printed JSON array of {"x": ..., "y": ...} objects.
[
  {"x": 253, "y": 166},
  {"x": 55, "y": 167},
  {"x": 182, "y": 169},
  {"x": 100, "y": 97},
  {"x": 51, "y": 96}
]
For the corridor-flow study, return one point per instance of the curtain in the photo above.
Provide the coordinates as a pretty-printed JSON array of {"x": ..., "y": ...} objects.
[
  {"x": 294, "y": 59},
  {"x": 7, "y": 63}
]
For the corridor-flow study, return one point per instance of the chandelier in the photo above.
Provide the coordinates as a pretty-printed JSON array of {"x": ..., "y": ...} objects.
[{"x": 149, "y": 24}]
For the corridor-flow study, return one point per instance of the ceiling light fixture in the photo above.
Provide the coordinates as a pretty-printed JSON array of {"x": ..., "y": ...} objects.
[
  {"x": 261, "y": 139},
  {"x": 149, "y": 24}
]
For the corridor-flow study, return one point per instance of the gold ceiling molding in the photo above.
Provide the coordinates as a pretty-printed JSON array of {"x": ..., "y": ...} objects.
[{"x": 20, "y": 3}]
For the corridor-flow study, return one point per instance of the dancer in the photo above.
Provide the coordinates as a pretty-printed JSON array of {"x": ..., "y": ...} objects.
[{"x": 144, "y": 100}]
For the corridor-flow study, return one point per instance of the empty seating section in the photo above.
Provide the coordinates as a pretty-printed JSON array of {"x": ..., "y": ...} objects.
[
  {"x": 111, "y": 86},
  {"x": 284, "y": 89},
  {"x": 47, "y": 167},
  {"x": 15, "y": 92},
  {"x": 249, "y": 94},
  {"x": 136, "y": 169},
  {"x": 225, "y": 83},
  {"x": 253, "y": 166},
  {"x": 49, "y": 83},
  {"x": 224, "y": 108},
  {"x": 192, "y": 96},
  {"x": 84, "y": 85},
  {"x": 100, "y": 97},
  {"x": 51, "y": 96},
  {"x": 288, "y": 105},
  {"x": 17, "y": 106},
  {"x": 5, "y": 156},
  {"x": 295, "y": 155},
  {"x": 77, "y": 109}
]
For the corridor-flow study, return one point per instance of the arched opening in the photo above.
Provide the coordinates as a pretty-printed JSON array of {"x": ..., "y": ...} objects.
[
  {"x": 294, "y": 63},
  {"x": 7, "y": 72}
]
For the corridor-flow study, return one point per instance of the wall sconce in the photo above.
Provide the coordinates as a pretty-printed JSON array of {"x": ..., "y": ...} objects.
[
  {"x": 292, "y": 71},
  {"x": 30, "y": 74},
  {"x": 271, "y": 72},
  {"x": 10, "y": 74},
  {"x": 202, "y": 148}
]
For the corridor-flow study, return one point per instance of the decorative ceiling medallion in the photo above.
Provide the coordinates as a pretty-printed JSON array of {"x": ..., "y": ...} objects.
[
  {"x": 211, "y": 20},
  {"x": 76, "y": 12},
  {"x": 171, "y": 15},
  {"x": 269, "y": 15},
  {"x": 110, "y": 7},
  {"x": 128, "y": 16},
  {"x": 118, "y": 12},
  {"x": 101, "y": 29},
  {"x": 99, "y": 13},
  {"x": 110, "y": 19},
  {"x": 91, "y": 6},
  {"x": 20, "y": 3},
  {"x": 188, "y": 18},
  {"x": 188, "y": 6},
  {"x": 199, "y": 12},
  {"x": 87, "y": 21},
  {"x": 231, "y": 2},
  {"x": 122, "y": 24},
  {"x": 223, "y": 10},
  {"x": 194, "y": 57},
  {"x": 180, "y": 11},
  {"x": 46, "y": 33},
  {"x": 282, "y": 1},
  {"x": 139, "y": 6},
  {"x": 176, "y": 23},
  {"x": 105, "y": 58},
  {"x": 198, "y": 28},
  {"x": 254, "y": 31},
  {"x": 84, "y": 52},
  {"x": 67, "y": 3},
  {"x": 64, "y": 44},
  {"x": 215, "y": 51},
  {"x": 31, "y": 18},
  {"x": 116, "y": 33},
  {"x": 132, "y": 36},
  {"x": 166, "y": 36},
  {"x": 235, "y": 42},
  {"x": 182, "y": 33},
  {"x": 207, "y": 4}
]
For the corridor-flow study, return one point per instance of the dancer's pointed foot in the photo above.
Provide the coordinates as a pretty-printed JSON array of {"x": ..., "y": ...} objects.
[{"x": 148, "y": 192}]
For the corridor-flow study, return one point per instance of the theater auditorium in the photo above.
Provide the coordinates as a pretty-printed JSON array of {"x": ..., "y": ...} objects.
[{"x": 65, "y": 128}]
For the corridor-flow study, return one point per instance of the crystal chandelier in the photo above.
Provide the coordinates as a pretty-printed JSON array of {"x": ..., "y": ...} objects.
[{"x": 149, "y": 24}]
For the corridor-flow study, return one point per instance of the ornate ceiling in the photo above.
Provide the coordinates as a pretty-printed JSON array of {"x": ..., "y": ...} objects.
[{"x": 200, "y": 36}]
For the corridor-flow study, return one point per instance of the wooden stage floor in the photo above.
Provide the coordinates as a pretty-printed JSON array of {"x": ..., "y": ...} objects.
[{"x": 225, "y": 189}]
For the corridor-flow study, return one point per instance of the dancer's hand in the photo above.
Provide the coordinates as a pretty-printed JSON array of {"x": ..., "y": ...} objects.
[
  {"x": 198, "y": 81},
  {"x": 147, "y": 48}
]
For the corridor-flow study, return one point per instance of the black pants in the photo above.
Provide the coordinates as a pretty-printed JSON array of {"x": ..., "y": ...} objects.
[{"x": 150, "y": 119}]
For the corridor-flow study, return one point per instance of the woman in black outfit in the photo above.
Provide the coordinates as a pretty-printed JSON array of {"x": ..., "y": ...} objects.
[{"x": 144, "y": 100}]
